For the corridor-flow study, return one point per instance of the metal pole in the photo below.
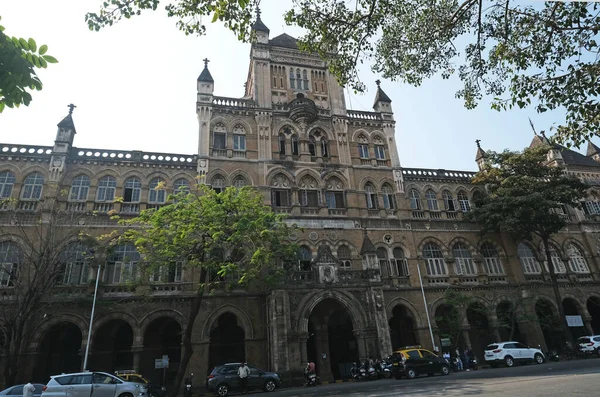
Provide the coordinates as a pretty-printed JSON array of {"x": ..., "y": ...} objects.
[
  {"x": 425, "y": 303},
  {"x": 89, "y": 337}
]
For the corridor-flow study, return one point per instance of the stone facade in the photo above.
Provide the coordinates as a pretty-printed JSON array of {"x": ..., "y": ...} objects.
[{"x": 373, "y": 233}]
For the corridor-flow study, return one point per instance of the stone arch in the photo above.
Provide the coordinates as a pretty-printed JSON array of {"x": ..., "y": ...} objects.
[
  {"x": 158, "y": 313},
  {"x": 45, "y": 326},
  {"x": 106, "y": 172},
  {"x": 182, "y": 175},
  {"x": 459, "y": 239},
  {"x": 435, "y": 240},
  {"x": 286, "y": 123},
  {"x": 499, "y": 248},
  {"x": 443, "y": 187},
  {"x": 241, "y": 315},
  {"x": 461, "y": 188},
  {"x": 215, "y": 173},
  {"x": 592, "y": 305},
  {"x": 543, "y": 297},
  {"x": 328, "y": 136},
  {"x": 351, "y": 247},
  {"x": 30, "y": 169},
  {"x": 273, "y": 173},
  {"x": 350, "y": 303},
  {"x": 236, "y": 173},
  {"x": 15, "y": 239},
  {"x": 77, "y": 172},
  {"x": 570, "y": 240},
  {"x": 403, "y": 247},
  {"x": 219, "y": 119},
  {"x": 358, "y": 132},
  {"x": 128, "y": 318},
  {"x": 158, "y": 174},
  {"x": 540, "y": 248},
  {"x": 308, "y": 171},
  {"x": 343, "y": 180},
  {"x": 412, "y": 186},
  {"x": 243, "y": 122},
  {"x": 12, "y": 168},
  {"x": 364, "y": 181},
  {"x": 389, "y": 308},
  {"x": 385, "y": 180}
]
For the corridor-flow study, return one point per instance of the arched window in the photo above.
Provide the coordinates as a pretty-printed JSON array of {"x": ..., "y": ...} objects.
[
  {"x": 10, "y": 261},
  {"x": 79, "y": 188},
  {"x": 415, "y": 199},
  {"x": 371, "y": 196},
  {"x": 122, "y": 264},
  {"x": 432, "y": 201},
  {"x": 298, "y": 79},
  {"x": 292, "y": 79},
  {"x": 219, "y": 138},
  {"x": 528, "y": 260},
  {"x": 312, "y": 146},
  {"x": 305, "y": 79},
  {"x": 491, "y": 260},
  {"x": 463, "y": 201},
  {"x": 449, "y": 204},
  {"x": 281, "y": 144},
  {"x": 132, "y": 190},
  {"x": 7, "y": 181},
  {"x": 158, "y": 194},
  {"x": 106, "y": 189},
  {"x": 280, "y": 191},
  {"x": 295, "y": 150},
  {"x": 181, "y": 185},
  {"x": 577, "y": 262},
  {"x": 399, "y": 265},
  {"x": 434, "y": 260},
  {"x": 75, "y": 261},
  {"x": 464, "y": 264},
  {"x": 345, "y": 256},
  {"x": 382, "y": 257},
  {"x": 304, "y": 258},
  {"x": 477, "y": 197},
  {"x": 324, "y": 148},
  {"x": 557, "y": 262},
  {"x": 334, "y": 193},
  {"x": 309, "y": 192},
  {"x": 218, "y": 183},
  {"x": 363, "y": 147},
  {"x": 239, "y": 182},
  {"x": 379, "y": 150},
  {"x": 239, "y": 138},
  {"x": 389, "y": 198},
  {"x": 32, "y": 187}
]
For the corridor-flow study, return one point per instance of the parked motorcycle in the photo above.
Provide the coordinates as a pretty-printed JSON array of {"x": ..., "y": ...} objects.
[
  {"x": 552, "y": 356},
  {"x": 473, "y": 364},
  {"x": 312, "y": 379}
]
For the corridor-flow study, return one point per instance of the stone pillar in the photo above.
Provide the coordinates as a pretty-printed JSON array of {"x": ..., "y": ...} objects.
[
  {"x": 587, "y": 324},
  {"x": 137, "y": 355},
  {"x": 383, "y": 340},
  {"x": 494, "y": 327}
]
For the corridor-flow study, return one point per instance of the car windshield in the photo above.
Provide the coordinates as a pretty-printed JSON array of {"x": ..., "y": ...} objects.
[{"x": 491, "y": 347}]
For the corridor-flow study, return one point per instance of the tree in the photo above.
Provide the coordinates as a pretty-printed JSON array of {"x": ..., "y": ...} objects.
[
  {"x": 523, "y": 195},
  {"x": 541, "y": 55},
  {"x": 19, "y": 59},
  {"x": 231, "y": 237},
  {"x": 32, "y": 263}
]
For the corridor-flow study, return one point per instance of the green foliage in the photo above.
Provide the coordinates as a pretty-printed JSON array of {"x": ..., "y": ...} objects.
[
  {"x": 451, "y": 315},
  {"x": 524, "y": 193},
  {"x": 232, "y": 236},
  {"x": 18, "y": 60}
]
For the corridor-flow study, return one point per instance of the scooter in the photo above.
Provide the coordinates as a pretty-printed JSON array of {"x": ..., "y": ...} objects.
[{"x": 311, "y": 379}]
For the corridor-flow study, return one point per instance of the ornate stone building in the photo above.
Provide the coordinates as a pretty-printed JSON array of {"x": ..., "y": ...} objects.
[{"x": 373, "y": 233}]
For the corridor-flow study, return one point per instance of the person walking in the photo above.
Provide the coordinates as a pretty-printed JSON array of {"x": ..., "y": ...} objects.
[
  {"x": 459, "y": 363},
  {"x": 243, "y": 372},
  {"x": 466, "y": 360},
  {"x": 28, "y": 390}
]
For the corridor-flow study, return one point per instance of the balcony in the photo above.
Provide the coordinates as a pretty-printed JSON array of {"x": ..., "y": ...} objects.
[
  {"x": 442, "y": 280},
  {"x": 104, "y": 207},
  {"x": 239, "y": 154},
  {"x": 76, "y": 207},
  {"x": 418, "y": 215},
  {"x": 29, "y": 206},
  {"x": 166, "y": 289},
  {"x": 337, "y": 211},
  {"x": 382, "y": 163},
  {"x": 219, "y": 152},
  {"x": 309, "y": 211},
  {"x": 130, "y": 208}
]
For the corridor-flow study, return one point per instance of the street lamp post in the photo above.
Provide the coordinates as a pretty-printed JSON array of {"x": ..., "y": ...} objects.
[
  {"x": 89, "y": 337},
  {"x": 425, "y": 304}
]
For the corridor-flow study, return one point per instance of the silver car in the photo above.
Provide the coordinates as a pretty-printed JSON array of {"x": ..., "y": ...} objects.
[{"x": 88, "y": 384}]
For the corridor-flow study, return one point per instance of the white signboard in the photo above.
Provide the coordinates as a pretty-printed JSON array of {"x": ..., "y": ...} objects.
[
  {"x": 161, "y": 362},
  {"x": 574, "y": 321}
]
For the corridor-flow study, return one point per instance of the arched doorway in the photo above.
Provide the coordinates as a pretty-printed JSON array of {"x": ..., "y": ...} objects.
[
  {"x": 550, "y": 325},
  {"x": 402, "y": 328},
  {"x": 111, "y": 348},
  {"x": 479, "y": 332},
  {"x": 60, "y": 351},
  {"x": 571, "y": 308},
  {"x": 593, "y": 306},
  {"x": 449, "y": 326},
  {"x": 161, "y": 338},
  {"x": 226, "y": 341},
  {"x": 508, "y": 324},
  {"x": 331, "y": 343}
]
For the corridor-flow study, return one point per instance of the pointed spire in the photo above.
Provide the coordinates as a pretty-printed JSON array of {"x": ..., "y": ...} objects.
[
  {"x": 592, "y": 149},
  {"x": 259, "y": 26},
  {"x": 367, "y": 245},
  {"x": 67, "y": 122},
  {"x": 205, "y": 75},
  {"x": 480, "y": 152},
  {"x": 380, "y": 96}
]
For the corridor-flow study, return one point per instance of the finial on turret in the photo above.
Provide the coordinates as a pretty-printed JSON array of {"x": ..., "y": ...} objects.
[
  {"x": 71, "y": 108},
  {"x": 532, "y": 127},
  {"x": 378, "y": 82},
  {"x": 206, "y": 61},
  {"x": 478, "y": 142}
]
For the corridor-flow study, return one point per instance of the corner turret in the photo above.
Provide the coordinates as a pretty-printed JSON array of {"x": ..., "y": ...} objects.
[
  {"x": 383, "y": 103},
  {"x": 260, "y": 30},
  {"x": 62, "y": 145},
  {"x": 593, "y": 152},
  {"x": 480, "y": 155}
]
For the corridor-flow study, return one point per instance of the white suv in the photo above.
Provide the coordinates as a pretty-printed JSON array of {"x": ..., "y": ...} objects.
[
  {"x": 589, "y": 344},
  {"x": 510, "y": 353},
  {"x": 84, "y": 384}
]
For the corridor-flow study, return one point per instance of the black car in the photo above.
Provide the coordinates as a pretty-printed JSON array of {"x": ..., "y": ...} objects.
[
  {"x": 223, "y": 379},
  {"x": 17, "y": 391},
  {"x": 412, "y": 362}
]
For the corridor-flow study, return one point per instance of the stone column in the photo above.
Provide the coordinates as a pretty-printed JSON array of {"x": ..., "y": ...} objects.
[
  {"x": 137, "y": 355},
  {"x": 494, "y": 326},
  {"x": 587, "y": 324}
]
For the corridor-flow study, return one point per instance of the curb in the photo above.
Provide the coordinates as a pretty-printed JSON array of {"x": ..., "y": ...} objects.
[{"x": 330, "y": 382}]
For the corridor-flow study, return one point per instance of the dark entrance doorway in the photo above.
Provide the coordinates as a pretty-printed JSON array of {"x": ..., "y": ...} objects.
[
  {"x": 331, "y": 345},
  {"x": 226, "y": 341},
  {"x": 162, "y": 337},
  {"x": 111, "y": 348},
  {"x": 59, "y": 351},
  {"x": 550, "y": 324},
  {"x": 449, "y": 326},
  {"x": 479, "y": 332},
  {"x": 402, "y": 328},
  {"x": 593, "y": 306},
  {"x": 508, "y": 324},
  {"x": 571, "y": 308}
]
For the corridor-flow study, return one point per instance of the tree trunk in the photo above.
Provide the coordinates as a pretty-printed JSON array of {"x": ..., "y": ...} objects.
[{"x": 553, "y": 280}]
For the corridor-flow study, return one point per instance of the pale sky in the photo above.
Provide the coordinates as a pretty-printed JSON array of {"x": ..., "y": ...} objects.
[{"x": 134, "y": 85}]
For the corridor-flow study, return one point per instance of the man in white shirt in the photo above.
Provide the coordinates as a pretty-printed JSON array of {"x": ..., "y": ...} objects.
[
  {"x": 243, "y": 372},
  {"x": 28, "y": 390}
]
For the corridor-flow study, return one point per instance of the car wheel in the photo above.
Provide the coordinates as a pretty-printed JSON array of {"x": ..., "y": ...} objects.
[
  {"x": 508, "y": 360},
  {"x": 538, "y": 358},
  {"x": 445, "y": 370},
  {"x": 222, "y": 390},
  {"x": 411, "y": 373},
  {"x": 270, "y": 386}
]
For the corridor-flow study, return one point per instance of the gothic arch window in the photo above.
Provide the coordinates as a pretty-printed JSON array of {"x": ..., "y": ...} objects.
[
  {"x": 280, "y": 191},
  {"x": 304, "y": 258},
  {"x": 464, "y": 264},
  {"x": 399, "y": 263},
  {"x": 305, "y": 79},
  {"x": 435, "y": 264},
  {"x": 309, "y": 193},
  {"x": 292, "y": 79},
  {"x": 312, "y": 147},
  {"x": 415, "y": 200},
  {"x": 463, "y": 201},
  {"x": 389, "y": 198},
  {"x": 80, "y": 187},
  {"x": 11, "y": 259},
  {"x": 528, "y": 260},
  {"x": 371, "y": 196},
  {"x": 298, "y": 79},
  {"x": 382, "y": 257},
  {"x": 295, "y": 150},
  {"x": 75, "y": 263},
  {"x": 181, "y": 185},
  {"x": 239, "y": 138},
  {"x": 491, "y": 260},
  {"x": 363, "y": 147},
  {"x": 218, "y": 183},
  {"x": 432, "y": 201},
  {"x": 477, "y": 197},
  {"x": 239, "y": 182},
  {"x": 132, "y": 190},
  {"x": 219, "y": 137},
  {"x": 107, "y": 186},
  {"x": 345, "y": 256},
  {"x": 324, "y": 148},
  {"x": 449, "y": 204},
  {"x": 281, "y": 143},
  {"x": 379, "y": 148},
  {"x": 577, "y": 262},
  {"x": 158, "y": 194},
  {"x": 122, "y": 264},
  {"x": 334, "y": 193},
  {"x": 7, "y": 181},
  {"x": 32, "y": 187},
  {"x": 557, "y": 262}
]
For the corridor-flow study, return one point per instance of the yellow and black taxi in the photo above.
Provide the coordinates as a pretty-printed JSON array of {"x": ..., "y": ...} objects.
[
  {"x": 154, "y": 390},
  {"x": 412, "y": 361}
]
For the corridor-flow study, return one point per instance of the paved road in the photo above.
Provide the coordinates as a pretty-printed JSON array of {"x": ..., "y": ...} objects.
[{"x": 567, "y": 378}]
